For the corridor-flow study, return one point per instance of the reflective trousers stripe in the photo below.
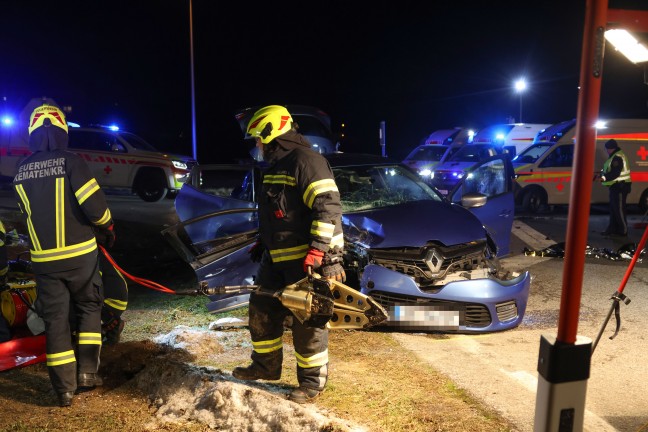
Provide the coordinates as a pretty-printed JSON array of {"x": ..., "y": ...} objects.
[
  {"x": 313, "y": 361},
  {"x": 89, "y": 338},
  {"x": 116, "y": 304},
  {"x": 61, "y": 358},
  {"x": 268, "y": 346}
]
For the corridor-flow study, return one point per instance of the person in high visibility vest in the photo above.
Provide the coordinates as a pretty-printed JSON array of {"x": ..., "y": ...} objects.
[
  {"x": 62, "y": 203},
  {"x": 616, "y": 176}
]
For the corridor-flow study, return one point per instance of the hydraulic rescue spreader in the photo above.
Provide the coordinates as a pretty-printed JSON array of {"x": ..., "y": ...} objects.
[{"x": 314, "y": 301}]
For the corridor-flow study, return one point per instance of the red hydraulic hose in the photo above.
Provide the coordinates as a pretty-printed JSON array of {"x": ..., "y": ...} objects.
[
  {"x": 144, "y": 282},
  {"x": 636, "y": 255}
]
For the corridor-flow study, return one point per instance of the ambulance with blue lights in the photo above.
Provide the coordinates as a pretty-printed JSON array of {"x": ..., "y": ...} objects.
[
  {"x": 119, "y": 160},
  {"x": 439, "y": 146},
  {"x": 544, "y": 170},
  {"x": 488, "y": 142},
  {"x": 513, "y": 137}
]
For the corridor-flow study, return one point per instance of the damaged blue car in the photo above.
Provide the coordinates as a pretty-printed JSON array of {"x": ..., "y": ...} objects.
[{"x": 431, "y": 261}]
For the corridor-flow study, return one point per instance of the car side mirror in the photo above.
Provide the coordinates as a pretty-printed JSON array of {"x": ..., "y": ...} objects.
[{"x": 472, "y": 200}]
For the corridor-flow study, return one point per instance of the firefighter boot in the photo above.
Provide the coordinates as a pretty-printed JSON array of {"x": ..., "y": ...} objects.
[
  {"x": 302, "y": 395},
  {"x": 253, "y": 373},
  {"x": 88, "y": 381},
  {"x": 65, "y": 399}
]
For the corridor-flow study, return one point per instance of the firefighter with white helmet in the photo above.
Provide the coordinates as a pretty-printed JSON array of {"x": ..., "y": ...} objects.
[
  {"x": 62, "y": 204},
  {"x": 300, "y": 230}
]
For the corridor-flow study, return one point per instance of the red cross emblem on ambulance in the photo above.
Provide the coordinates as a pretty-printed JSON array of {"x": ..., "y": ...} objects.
[{"x": 642, "y": 153}]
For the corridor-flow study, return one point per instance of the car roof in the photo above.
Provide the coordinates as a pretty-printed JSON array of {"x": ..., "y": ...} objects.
[{"x": 244, "y": 115}]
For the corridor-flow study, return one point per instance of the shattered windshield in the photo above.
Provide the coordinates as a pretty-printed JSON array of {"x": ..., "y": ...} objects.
[{"x": 370, "y": 187}]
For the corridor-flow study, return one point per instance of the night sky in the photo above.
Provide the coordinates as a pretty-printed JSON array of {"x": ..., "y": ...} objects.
[{"x": 417, "y": 65}]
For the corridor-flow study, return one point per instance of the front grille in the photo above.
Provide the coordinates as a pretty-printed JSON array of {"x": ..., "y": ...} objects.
[
  {"x": 472, "y": 315},
  {"x": 477, "y": 315},
  {"x": 443, "y": 259},
  {"x": 507, "y": 311}
]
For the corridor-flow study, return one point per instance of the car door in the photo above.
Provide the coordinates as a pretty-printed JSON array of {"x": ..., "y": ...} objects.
[
  {"x": 214, "y": 188},
  {"x": 218, "y": 225},
  {"x": 491, "y": 181}
]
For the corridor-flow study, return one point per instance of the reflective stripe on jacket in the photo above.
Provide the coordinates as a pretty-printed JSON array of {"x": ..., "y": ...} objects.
[
  {"x": 299, "y": 207},
  {"x": 61, "y": 202}
]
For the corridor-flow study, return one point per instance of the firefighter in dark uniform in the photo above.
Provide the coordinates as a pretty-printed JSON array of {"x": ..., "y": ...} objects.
[
  {"x": 115, "y": 293},
  {"x": 62, "y": 204},
  {"x": 616, "y": 176},
  {"x": 5, "y": 331},
  {"x": 299, "y": 228}
]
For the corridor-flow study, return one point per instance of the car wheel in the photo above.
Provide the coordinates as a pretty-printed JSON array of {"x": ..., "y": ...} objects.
[
  {"x": 534, "y": 200},
  {"x": 150, "y": 185}
]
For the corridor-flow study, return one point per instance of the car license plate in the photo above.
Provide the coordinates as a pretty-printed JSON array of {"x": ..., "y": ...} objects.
[
  {"x": 432, "y": 317},
  {"x": 443, "y": 191}
]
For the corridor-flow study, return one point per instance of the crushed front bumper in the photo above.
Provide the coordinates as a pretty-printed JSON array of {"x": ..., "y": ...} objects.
[{"x": 467, "y": 306}]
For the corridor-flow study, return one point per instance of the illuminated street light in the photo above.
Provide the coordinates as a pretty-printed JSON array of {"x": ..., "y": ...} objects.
[
  {"x": 627, "y": 45},
  {"x": 520, "y": 87},
  {"x": 194, "y": 144}
]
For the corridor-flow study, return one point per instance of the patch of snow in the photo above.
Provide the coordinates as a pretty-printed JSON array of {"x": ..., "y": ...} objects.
[{"x": 184, "y": 392}]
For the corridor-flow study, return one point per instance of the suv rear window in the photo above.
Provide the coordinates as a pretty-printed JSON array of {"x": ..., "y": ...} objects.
[{"x": 96, "y": 141}]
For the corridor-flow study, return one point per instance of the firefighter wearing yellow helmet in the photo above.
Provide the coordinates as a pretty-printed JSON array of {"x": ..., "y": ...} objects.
[
  {"x": 62, "y": 205},
  {"x": 300, "y": 230}
]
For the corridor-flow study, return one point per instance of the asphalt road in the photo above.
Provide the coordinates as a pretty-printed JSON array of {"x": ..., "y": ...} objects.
[
  {"x": 498, "y": 368},
  {"x": 501, "y": 368}
]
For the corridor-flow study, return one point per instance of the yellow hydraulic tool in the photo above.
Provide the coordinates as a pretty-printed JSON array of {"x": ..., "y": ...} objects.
[{"x": 316, "y": 302}]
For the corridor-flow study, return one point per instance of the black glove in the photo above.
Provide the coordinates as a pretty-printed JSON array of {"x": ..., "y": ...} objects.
[
  {"x": 333, "y": 271},
  {"x": 106, "y": 236},
  {"x": 328, "y": 265},
  {"x": 256, "y": 251}
]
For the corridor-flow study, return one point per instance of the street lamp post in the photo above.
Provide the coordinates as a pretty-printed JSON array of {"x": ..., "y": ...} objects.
[
  {"x": 194, "y": 144},
  {"x": 520, "y": 87}
]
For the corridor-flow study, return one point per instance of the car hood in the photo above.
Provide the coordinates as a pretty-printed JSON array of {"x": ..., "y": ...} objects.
[
  {"x": 169, "y": 156},
  {"x": 403, "y": 225},
  {"x": 455, "y": 166}
]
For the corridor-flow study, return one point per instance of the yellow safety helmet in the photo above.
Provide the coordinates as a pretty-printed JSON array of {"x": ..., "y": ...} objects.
[
  {"x": 269, "y": 122},
  {"x": 56, "y": 116}
]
